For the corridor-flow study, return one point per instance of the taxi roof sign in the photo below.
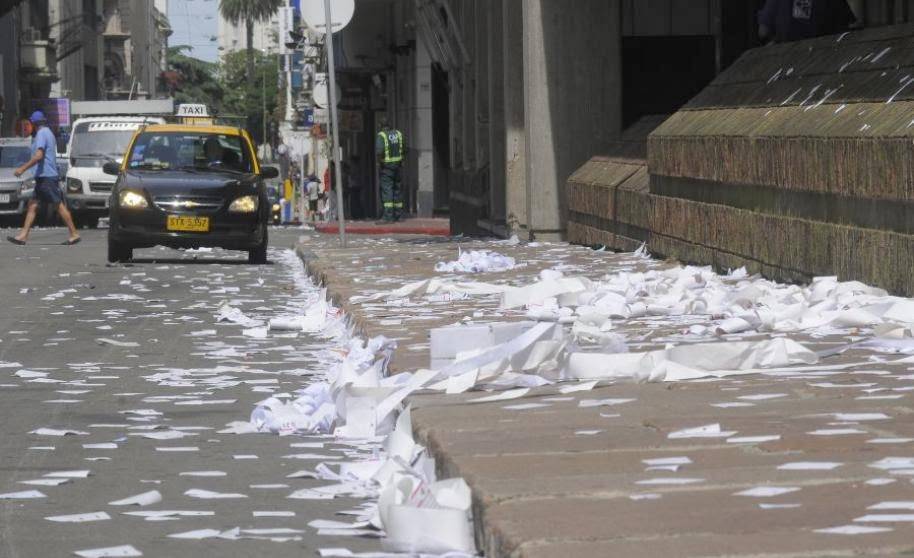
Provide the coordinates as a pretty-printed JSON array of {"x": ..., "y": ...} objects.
[{"x": 189, "y": 110}]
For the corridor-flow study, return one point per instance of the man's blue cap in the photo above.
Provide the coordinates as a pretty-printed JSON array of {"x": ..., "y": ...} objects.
[{"x": 37, "y": 117}]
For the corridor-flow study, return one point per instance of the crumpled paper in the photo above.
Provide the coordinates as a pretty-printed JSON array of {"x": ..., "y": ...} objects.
[{"x": 477, "y": 261}]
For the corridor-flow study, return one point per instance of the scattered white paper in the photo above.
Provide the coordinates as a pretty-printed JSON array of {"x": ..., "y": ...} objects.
[
  {"x": 503, "y": 396},
  {"x": 23, "y": 495},
  {"x": 767, "y": 491},
  {"x": 79, "y": 518},
  {"x": 853, "y": 530},
  {"x": 125, "y": 551},
  {"x": 210, "y": 495},
  {"x": 706, "y": 431},
  {"x": 809, "y": 466},
  {"x": 144, "y": 499}
]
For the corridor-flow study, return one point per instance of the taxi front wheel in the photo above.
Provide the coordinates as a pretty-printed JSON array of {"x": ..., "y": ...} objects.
[
  {"x": 258, "y": 255},
  {"x": 118, "y": 252}
]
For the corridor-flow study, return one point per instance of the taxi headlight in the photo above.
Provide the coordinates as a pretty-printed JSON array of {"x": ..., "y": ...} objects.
[
  {"x": 244, "y": 204},
  {"x": 276, "y": 207},
  {"x": 74, "y": 185},
  {"x": 132, "y": 200}
]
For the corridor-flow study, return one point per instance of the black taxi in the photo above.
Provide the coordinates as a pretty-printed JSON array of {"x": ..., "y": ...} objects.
[{"x": 189, "y": 186}]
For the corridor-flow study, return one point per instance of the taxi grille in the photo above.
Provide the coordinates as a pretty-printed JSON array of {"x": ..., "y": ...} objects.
[{"x": 187, "y": 203}]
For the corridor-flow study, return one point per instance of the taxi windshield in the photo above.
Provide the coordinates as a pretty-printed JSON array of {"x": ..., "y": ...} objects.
[{"x": 190, "y": 151}]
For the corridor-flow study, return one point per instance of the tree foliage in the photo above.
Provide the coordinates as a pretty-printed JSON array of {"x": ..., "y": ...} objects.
[
  {"x": 246, "y": 98},
  {"x": 191, "y": 80},
  {"x": 226, "y": 89}
]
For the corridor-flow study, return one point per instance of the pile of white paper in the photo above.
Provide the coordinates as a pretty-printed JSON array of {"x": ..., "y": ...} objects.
[
  {"x": 477, "y": 261},
  {"x": 356, "y": 400}
]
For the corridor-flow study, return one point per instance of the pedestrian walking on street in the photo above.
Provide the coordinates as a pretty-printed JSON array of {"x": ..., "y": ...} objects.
[
  {"x": 391, "y": 148},
  {"x": 47, "y": 180},
  {"x": 313, "y": 191}
]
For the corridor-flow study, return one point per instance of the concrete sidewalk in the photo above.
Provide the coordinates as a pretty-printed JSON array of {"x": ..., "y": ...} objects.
[
  {"x": 431, "y": 227},
  {"x": 565, "y": 480}
]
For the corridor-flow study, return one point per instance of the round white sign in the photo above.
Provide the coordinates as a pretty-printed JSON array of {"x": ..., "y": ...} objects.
[
  {"x": 320, "y": 94},
  {"x": 341, "y": 11}
]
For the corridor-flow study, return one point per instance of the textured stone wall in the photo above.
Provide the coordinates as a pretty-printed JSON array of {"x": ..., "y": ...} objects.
[{"x": 798, "y": 161}]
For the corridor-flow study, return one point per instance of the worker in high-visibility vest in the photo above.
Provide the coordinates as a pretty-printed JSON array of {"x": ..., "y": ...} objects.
[{"x": 391, "y": 149}]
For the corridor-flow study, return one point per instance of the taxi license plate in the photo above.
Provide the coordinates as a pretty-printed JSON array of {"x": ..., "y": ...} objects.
[
  {"x": 187, "y": 224},
  {"x": 4, "y": 198}
]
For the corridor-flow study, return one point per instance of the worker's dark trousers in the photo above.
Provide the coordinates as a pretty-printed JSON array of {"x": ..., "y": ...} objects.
[{"x": 390, "y": 191}]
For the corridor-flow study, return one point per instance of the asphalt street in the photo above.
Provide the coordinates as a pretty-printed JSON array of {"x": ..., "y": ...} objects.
[{"x": 171, "y": 372}]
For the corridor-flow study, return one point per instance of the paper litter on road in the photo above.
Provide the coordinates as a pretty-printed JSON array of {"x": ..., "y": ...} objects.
[
  {"x": 125, "y": 551},
  {"x": 202, "y": 474},
  {"x": 754, "y": 439},
  {"x": 228, "y": 313},
  {"x": 79, "y": 474},
  {"x": 45, "y": 482},
  {"x": 853, "y": 530},
  {"x": 809, "y": 466},
  {"x": 58, "y": 432},
  {"x": 670, "y": 481},
  {"x": 198, "y": 534},
  {"x": 886, "y": 518},
  {"x": 706, "y": 431},
  {"x": 23, "y": 495},
  {"x": 589, "y": 403},
  {"x": 162, "y": 514},
  {"x": 144, "y": 499},
  {"x": 767, "y": 491},
  {"x": 79, "y": 518},
  {"x": 210, "y": 495},
  {"x": 115, "y": 343},
  {"x": 893, "y": 506}
]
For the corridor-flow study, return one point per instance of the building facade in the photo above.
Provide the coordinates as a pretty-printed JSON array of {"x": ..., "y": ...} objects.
[
  {"x": 232, "y": 38},
  {"x": 75, "y": 29},
  {"x": 135, "y": 41},
  {"x": 502, "y": 100}
]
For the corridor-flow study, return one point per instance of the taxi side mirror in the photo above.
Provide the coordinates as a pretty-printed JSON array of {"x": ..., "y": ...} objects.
[
  {"x": 269, "y": 172},
  {"x": 111, "y": 167}
]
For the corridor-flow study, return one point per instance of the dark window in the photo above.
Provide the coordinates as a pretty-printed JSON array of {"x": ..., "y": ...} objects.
[
  {"x": 660, "y": 74},
  {"x": 90, "y": 76},
  {"x": 90, "y": 9}
]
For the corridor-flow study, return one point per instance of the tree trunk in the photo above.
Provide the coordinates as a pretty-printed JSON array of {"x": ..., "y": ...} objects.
[{"x": 250, "y": 50}]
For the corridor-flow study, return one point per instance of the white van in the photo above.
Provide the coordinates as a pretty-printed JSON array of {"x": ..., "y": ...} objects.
[{"x": 93, "y": 142}]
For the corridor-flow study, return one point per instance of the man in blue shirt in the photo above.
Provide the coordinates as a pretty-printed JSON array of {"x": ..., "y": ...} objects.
[{"x": 47, "y": 180}]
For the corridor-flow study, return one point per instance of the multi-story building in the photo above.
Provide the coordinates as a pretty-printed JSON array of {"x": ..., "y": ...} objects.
[
  {"x": 233, "y": 38},
  {"x": 75, "y": 30},
  {"x": 79, "y": 50},
  {"x": 37, "y": 53},
  {"x": 135, "y": 37},
  {"x": 503, "y": 99}
]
